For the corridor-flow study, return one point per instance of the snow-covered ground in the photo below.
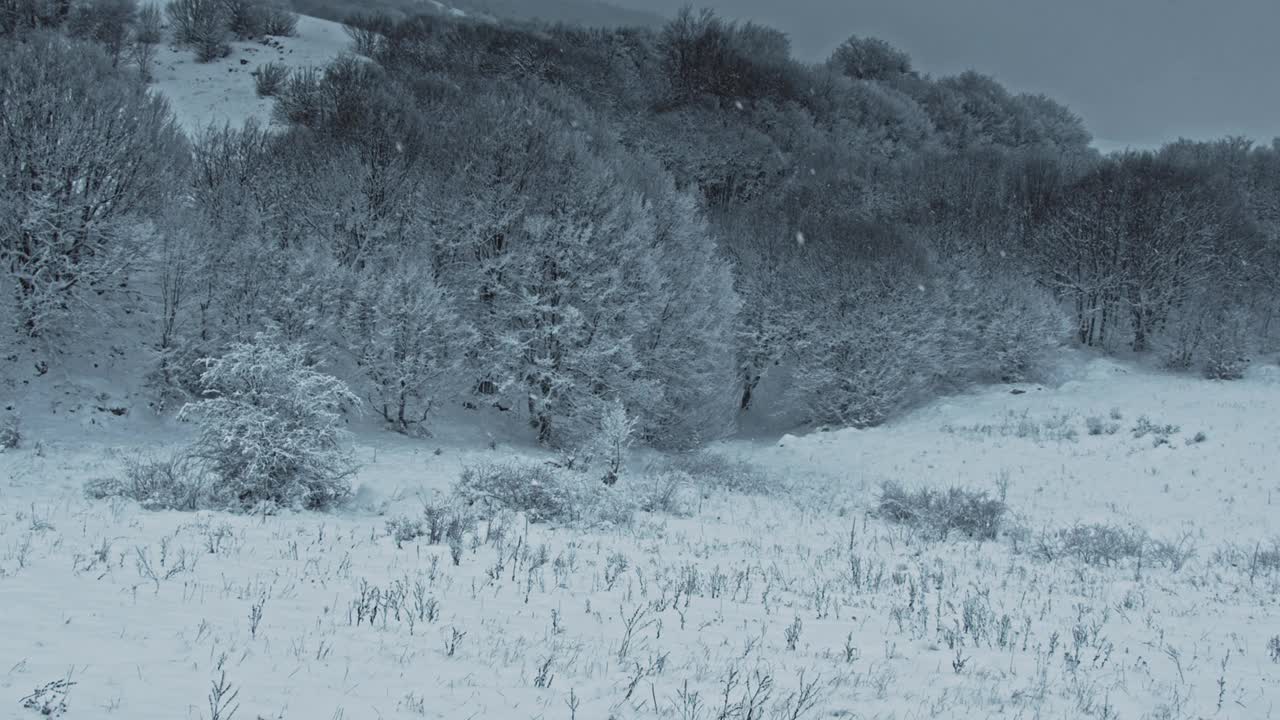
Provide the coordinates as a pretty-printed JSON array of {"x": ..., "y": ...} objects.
[
  {"x": 222, "y": 92},
  {"x": 802, "y": 604}
]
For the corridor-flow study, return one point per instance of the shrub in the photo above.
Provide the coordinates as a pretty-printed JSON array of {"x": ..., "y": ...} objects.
[
  {"x": 1107, "y": 545},
  {"x": 148, "y": 26},
  {"x": 201, "y": 24},
  {"x": 1160, "y": 433},
  {"x": 271, "y": 428},
  {"x": 610, "y": 443},
  {"x": 1094, "y": 544},
  {"x": 10, "y": 433},
  {"x": 404, "y": 529},
  {"x": 662, "y": 492},
  {"x": 105, "y": 22},
  {"x": 444, "y": 522},
  {"x": 368, "y": 32},
  {"x": 719, "y": 472},
  {"x": 245, "y": 18},
  {"x": 543, "y": 493},
  {"x": 1056, "y": 428},
  {"x": 269, "y": 78},
  {"x": 1097, "y": 426},
  {"x": 279, "y": 21},
  {"x": 1224, "y": 366},
  {"x": 439, "y": 523},
  {"x": 174, "y": 483},
  {"x": 971, "y": 512},
  {"x": 19, "y": 15},
  {"x": 1225, "y": 345},
  {"x": 301, "y": 98}
]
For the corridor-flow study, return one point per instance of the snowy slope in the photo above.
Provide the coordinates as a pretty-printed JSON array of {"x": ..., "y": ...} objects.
[{"x": 222, "y": 92}]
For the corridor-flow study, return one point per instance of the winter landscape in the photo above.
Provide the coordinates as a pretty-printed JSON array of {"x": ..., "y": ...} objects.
[{"x": 425, "y": 360}]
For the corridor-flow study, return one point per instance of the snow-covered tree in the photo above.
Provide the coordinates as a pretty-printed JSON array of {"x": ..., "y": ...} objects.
[
  {"x": 204, "y": 25},
  {"x": 408, "y": 341},
  {"x": 89, "y": 154},
  {"x": 575, "y": 293},
  {"x": 689, "y": 348},
  {"x": 104, "y": 21},
  {"x": 607, "y": 449}
]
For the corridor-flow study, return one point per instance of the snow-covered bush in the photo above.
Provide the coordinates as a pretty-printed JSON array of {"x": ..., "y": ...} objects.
[
  {"x": 711, "y": 470},
  {"x": 544, "y": 493},
  {"x": 608, "y": 447},
  {"x": 439, "y": 523},
  {"x": 1106, "y": 544},
  {"x": 269, "y": 78},
  {"x": 177, "y": 482},
  {"x": 271, "y": 427},
  {"x": 971, "y": 512},
  {"x": 669, "y": 491},
  {"x": 1226, "y": 353},
  {"x": 10, "y": 432},
  {"x": 1095, "y": 425},
  {"x": 1160, "y": 434}
]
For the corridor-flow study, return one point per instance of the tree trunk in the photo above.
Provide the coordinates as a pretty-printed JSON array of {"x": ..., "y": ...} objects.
[{"x": 748, "y": 391}]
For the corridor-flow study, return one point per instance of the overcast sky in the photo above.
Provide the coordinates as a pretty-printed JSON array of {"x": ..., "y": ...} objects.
[{"x": 1139, "y": 71}]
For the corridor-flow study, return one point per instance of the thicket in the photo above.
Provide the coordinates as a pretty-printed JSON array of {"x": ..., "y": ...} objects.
[{"x": 559, "y": 222}]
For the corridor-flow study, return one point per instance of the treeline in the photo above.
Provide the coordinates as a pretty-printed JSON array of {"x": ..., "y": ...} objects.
[{"x": 553, "y": 220}]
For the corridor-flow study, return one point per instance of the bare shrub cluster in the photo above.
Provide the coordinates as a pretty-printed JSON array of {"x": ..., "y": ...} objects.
[
  {"x": 940, "y": 513},
  {"x": 10, "y": 432},
  {"x": 1107, "y": 545},
  {"x": 177, "y": 482}
]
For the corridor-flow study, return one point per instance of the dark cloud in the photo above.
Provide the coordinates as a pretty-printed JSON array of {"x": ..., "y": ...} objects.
[{"x": 1139, "y": 71}]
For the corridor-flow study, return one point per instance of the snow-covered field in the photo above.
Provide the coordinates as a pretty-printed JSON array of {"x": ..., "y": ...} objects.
[{"x": 799, "y": 604}]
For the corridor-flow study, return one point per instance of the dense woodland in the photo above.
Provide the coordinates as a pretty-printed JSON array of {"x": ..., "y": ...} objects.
[{"x": 554, "y": 220}]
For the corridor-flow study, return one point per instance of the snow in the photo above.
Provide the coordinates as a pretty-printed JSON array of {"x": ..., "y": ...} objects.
[
  {"x": 1173, "y": 488},
  {"x": 222, "y": 92},
  {"x": 139, "y": 608}
]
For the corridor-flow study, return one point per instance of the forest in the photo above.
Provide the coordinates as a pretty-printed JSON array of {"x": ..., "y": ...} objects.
[{"x": 558, "y": 221}]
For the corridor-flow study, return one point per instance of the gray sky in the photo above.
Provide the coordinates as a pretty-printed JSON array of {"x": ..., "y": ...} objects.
[{"x": 1139, "y": 71}]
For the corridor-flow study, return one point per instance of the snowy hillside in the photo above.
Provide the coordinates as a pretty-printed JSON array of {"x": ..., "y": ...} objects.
[
  {"x": 562, "y": 374},
  {"x": 222, "y": 92},
  {"x": 800, "y": 602}
]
